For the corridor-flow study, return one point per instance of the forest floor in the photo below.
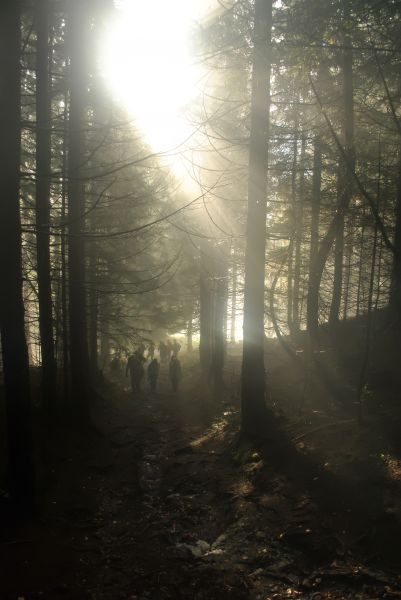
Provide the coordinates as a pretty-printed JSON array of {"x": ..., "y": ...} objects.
[{"x": 162, "y": 499}]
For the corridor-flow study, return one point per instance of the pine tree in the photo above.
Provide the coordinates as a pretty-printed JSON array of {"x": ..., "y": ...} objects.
[
  {"x": 253, "y": 370},
  {"x": 13, "y": 341}
]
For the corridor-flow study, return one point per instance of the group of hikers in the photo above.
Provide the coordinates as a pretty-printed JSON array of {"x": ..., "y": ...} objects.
[{"x": 168, "y": 352}]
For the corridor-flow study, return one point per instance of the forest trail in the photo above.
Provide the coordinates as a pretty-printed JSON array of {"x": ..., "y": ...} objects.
[{"x": 161, "y": 501}]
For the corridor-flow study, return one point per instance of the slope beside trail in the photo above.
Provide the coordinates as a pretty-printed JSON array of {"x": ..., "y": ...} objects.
[{"x": 162, "y": 500}]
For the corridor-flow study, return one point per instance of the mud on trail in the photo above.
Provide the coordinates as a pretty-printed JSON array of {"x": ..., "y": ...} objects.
[{"x": 164, "y": 501}]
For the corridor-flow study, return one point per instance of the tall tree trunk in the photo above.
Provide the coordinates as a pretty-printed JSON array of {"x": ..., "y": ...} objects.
[
  {"x": 63, "y": 271},
  {"x": 299, "y": 211},
  {"x": 13, "y": 341},
  {"x": 377, "y": 248},
  {"x": 219, "y": 321},
  {"x": 359, "y": 292},
  {"x": 338, "y": 264},
  {"x": 205, "y": 314},
  {"x": 395, "y": 290},
  {"x": 93, "y": 306},
  {"x": 346, "y": 169},
  {"x": 312, "y": 305},
  {"x": 368, "y": 340},
  {"x": 233, "y": 298},
  {"x": 293, "y": 223},
  {"x": 43, "y": 167},
  {"x": 253, "y": 369},
  {"x": 100, "y": 116},
  {"x": 348, "y": 261},
  {"x": 104, "y": 336},
  {"x": 382, "y": 206},
  {"x": 79, "y": 357},
  {"x": 190, "y": 331}
]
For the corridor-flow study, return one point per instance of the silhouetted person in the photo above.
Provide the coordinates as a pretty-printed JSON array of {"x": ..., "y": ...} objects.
[
  {"x": 153, "y": 374},
  {"x": 136, "y": 370},
  {"x": 176, "y": 346},
  {"x": 175, "y": 372}
]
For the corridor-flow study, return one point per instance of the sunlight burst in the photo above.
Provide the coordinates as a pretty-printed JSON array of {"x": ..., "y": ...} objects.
[{"x": 148, "y": 63}]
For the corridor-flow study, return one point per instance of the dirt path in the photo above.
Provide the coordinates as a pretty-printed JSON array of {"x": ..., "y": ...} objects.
[{"x": 162, "y": 503}]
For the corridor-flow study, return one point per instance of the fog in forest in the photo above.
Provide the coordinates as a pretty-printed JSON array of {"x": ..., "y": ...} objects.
[{"x": 200, "y": 301}]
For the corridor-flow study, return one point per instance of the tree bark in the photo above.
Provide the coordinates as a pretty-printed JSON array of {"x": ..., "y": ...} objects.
[
  {"x": 395, "y": 290},
  {"x": 104, "y": 337},
  {"x": 359, "y": 292},
  {"x": 348, "y": 262},
  {"x": 80, "y": 387},
  {"x": 312, "y": 306},
  {"x": 338, "y": 257},
  {"x": 369, "y": 321},
  {"x": 190, "y": 332},
  {"x": 292, "y": 222},
  {"x": 205, "y": 314},
  {"x": 93, "y": 306},
  {"x": 376, "y": 250},
  {"x": 345, "y": 175},
  {"x": 233, "y": 299},
  {"x": 299, "y": 211},
  {"x": 43, "y": 168},
  {"x": 63, "y": 269},
  {"x": 219, "y": 321},
  {"x": 253, "y": 370},
  {"x": 20, "y": 465}
]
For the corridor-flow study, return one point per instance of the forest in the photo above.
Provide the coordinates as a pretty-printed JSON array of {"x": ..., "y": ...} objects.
[{"x": 200, "y": 301}]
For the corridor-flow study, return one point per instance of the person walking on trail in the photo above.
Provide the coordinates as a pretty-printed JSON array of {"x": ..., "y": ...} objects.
[
  {"x": 136, "y": 370},
  {"x": 176, "y": 347},
  {"x": 175, "y": 372},
  {"x": 153, "y": 374}
]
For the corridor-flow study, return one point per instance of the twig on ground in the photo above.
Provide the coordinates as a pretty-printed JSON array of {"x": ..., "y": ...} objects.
[{"x": 321, "y": 427}]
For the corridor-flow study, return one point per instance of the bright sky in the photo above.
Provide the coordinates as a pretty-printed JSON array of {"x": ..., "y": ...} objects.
[{"x": 148, "y": 63}]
